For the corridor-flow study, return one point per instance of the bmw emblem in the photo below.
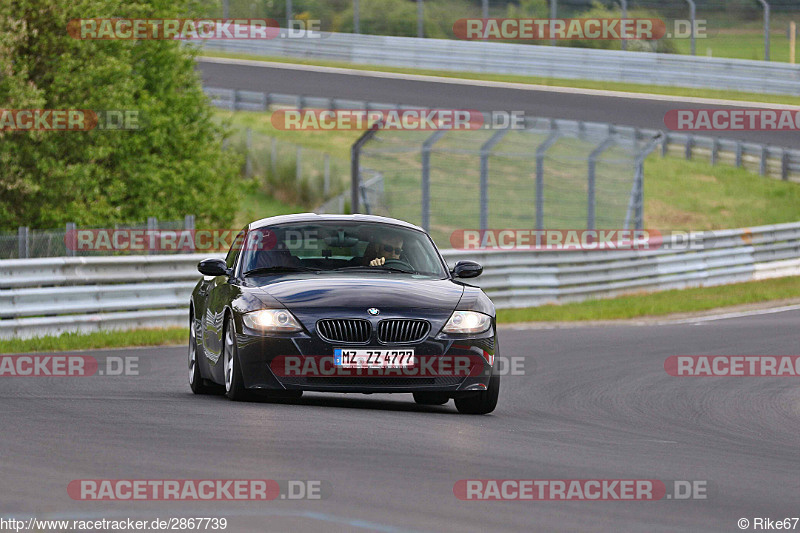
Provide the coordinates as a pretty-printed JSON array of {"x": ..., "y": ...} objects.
[{"x": 374, "y": 311}]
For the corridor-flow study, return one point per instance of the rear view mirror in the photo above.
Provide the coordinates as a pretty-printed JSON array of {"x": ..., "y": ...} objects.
[
  {"x": 213, "y": 267},
  {"x": 467, "y": 269}
]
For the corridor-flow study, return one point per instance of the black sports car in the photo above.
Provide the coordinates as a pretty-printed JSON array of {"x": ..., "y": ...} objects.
[{"x": 342, "y": 303}]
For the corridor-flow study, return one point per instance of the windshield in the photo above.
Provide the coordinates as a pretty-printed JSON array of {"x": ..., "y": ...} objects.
[{"x": 335, "y": 246}]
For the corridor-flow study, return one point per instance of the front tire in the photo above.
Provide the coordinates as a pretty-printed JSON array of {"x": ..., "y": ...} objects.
[
  {"x": 482, "y": 403},
  {"x": 234, "y": 383},
  {"x": 196, "y": 381}
]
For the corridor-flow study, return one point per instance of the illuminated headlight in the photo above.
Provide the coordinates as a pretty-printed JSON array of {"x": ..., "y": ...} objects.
[
  {"x": 271, "y": 320},
  {"x": 467, "y": 322}
]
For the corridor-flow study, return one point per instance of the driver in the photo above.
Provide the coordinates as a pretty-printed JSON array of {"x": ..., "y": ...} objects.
[{"x": 389, "y": 247}]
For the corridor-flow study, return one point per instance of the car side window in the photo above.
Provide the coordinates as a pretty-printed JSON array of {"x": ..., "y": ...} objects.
[{"x": 233, "y": 253}]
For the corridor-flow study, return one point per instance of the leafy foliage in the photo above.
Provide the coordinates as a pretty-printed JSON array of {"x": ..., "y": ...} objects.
[{"x": 173, "y": 166}]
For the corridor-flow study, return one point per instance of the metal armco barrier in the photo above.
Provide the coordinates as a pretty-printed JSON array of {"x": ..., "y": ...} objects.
[
  {"x": 530, "y": 60},
  {"x": 49, "y": 296}
]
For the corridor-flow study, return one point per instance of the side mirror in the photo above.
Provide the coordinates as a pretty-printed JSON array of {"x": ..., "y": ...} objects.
[
  {"x": 467, "y": 269},
  {"x": 213, "y": 267}
]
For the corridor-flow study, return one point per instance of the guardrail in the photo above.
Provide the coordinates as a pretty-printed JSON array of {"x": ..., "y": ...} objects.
[
  {"x": 530, "y": 60},
  {"x": 50, "y": 296},
  {"x": 773, "y": 161}
]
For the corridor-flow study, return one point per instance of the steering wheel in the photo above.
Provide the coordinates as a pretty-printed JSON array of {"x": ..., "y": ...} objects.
[{"x": 395, "y": 263}]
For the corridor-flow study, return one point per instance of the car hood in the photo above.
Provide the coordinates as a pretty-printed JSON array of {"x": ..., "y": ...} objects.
[{"x": 338, "y": 291}]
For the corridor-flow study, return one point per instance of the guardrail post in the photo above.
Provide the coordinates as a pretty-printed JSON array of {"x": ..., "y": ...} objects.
[
  {"x": 23, "y": 242},
  {"x": 785, "y": 165},
  {"x": 486, "y": 151},
  {"x": 235, "y": 103},
  {"x": 326, "y": 175},
  {"x": 590, "y": 207},
  {"x": 70, "y": 239},
  {"x": 540, "y": 151},
  {"x": 688, "y": 149},
  {"x": 188, "y": 222},
  {"x": 273, "y": 156},
  {"x": 426, "y": 176},
  {"x": 289, "y": 16},
  {"x": 553, "y": 15},
  {"x": 762, "y": 167},
  {"x": 152, "y": 226},
  {"x": 738, "y": 154},
  {"x": 356, "y": 17},
  {"x": 665, "y": 145},
  {"x": 714, "y": 150}
]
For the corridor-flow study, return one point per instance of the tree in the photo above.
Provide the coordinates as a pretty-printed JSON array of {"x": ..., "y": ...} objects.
[{"x": 173, "y": 166}]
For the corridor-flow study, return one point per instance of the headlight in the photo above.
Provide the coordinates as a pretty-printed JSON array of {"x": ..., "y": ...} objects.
[
  {"x": 467, "y": 322},
  {"x": 271, "y": 320}
]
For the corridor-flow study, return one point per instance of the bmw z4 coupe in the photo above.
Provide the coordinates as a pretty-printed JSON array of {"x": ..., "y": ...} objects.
[{"x": 342, "y": 303}]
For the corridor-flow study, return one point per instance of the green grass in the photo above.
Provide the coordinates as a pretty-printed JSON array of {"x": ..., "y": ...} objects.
[
  {"x": 98, "y": 339},
  {"x": 553, "y": 82},
  {"x": 739, "y": 44},
  {"x": 659, "y": 303}
]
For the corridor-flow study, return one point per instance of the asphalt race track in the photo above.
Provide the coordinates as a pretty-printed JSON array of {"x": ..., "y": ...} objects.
[
  {"x": 594, "y": 403},
  {"x": 629, "y": 111}
]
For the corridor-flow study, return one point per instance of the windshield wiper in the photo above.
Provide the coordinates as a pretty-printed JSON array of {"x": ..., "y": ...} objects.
[
  {"x": 264, "y": 270},
  {"x": 372, "y": 269}
]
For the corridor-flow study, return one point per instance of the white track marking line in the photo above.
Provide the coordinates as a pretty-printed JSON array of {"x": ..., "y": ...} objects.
[
  {"x": 726, "y": 316},
  {"x": 495, "y": 84}
]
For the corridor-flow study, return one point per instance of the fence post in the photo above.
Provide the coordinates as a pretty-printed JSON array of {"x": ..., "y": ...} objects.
[
  {"x": 486, "y": 151},
  {"x": 70, "y": 239},
  {"x": 738, "y": 154},
  {"x": 326, "y": 177},
  {"x": 355, "y": 169},
  {"x": 766, "y": 29},
  {"x": 540, "y": 151},
  {"x": 553, "y": 15},
  {"x": 23, "y": 242},
  {"x": 427, "y": 144},
  {"x": 762, "y": 167},
  {"x": 624, "y": 43},
  {"x": 688, "y": 148},
  {"x": 152, "y": 226},
  {"x": 693, "y": 17},
  {"x": 356, "y": 17},
  {"x": 289, "y": 16},
  {"x": 188, "y": 222},
  {"x": 420, "y": 19},
  {"x": 590, "y": 208},
  {"x": 298, "y": 167},
  {"x": 273, "y": 156},
  {"x": 248, "y": 157}
]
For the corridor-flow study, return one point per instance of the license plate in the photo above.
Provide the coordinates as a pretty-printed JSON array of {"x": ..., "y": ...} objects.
[{"x": 367, "y": 358}]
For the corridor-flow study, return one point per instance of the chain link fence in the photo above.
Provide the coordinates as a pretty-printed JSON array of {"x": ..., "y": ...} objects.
[
  {"x": 28, "y": 243},
  {"x": 553, "y": 174}
]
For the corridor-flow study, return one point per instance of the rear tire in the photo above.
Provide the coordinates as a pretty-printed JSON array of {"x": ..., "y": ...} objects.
[
  {"x": 482, "y": 403},
  {"x": 196, "y": 381},
  {"x": 431, "y": 398},
  {"x": 234, "y": 383}
]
